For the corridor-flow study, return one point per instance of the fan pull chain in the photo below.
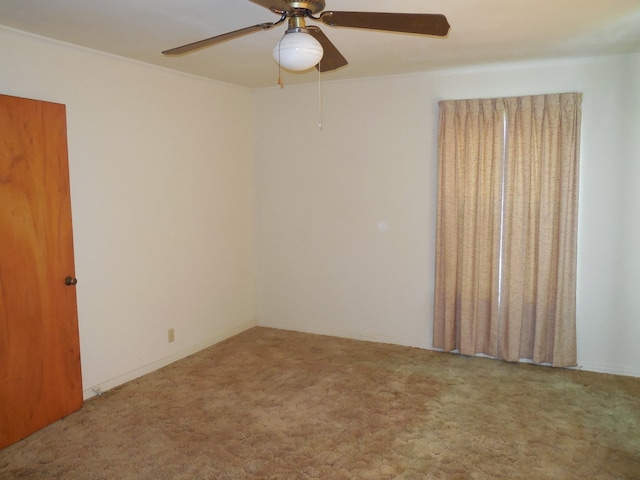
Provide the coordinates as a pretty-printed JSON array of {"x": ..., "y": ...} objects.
[
  {"x": 280, "y": 82},
  {"x": 320, "y": 96}
]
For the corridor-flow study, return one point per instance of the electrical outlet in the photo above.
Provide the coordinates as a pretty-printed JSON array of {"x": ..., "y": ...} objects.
[{"x": 172, "y": 335}]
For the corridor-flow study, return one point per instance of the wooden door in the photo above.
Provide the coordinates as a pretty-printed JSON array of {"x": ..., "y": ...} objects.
[{"x": 40, "y": 378}]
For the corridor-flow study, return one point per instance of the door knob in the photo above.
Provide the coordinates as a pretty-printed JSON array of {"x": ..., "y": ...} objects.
[{"x": 70, "y": 281}]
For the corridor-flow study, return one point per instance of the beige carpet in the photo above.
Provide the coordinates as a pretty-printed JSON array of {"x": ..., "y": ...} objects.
[{"x": 272, "y": 404}]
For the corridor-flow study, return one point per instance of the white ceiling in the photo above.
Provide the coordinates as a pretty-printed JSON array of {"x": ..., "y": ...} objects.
[{"x": 482, "y": 31}]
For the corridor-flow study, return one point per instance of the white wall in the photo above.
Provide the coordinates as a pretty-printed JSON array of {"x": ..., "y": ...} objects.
[
  {"x": 162, "y": 184},
  {"x": 326, "y": 264},
  {"x": 162, "y": 199}
]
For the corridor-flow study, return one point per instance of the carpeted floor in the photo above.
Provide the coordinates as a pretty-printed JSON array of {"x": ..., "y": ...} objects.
[{"x": 273, "y": 404}]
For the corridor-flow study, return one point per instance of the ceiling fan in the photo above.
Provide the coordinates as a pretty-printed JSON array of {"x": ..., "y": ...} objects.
[{"x": 303, "y": 47}]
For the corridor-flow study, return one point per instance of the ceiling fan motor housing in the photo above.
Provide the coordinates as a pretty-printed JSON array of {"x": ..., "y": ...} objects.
[{"x": 314, "y": 6}]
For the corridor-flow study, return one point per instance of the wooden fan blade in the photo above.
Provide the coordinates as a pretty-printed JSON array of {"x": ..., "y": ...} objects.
[
  {"x": 217, "y": 39},
  {"x": 274, "y": 5},
  {"x": 332, "y": 58},
  {"x": 421, "y": 23}
]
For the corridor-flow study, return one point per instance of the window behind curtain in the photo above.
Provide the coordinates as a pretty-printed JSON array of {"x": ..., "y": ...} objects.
[{"x": 506, "y": 227}]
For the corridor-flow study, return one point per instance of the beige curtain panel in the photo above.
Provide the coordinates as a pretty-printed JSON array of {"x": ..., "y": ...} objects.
[{"x": 506, "y": 227}]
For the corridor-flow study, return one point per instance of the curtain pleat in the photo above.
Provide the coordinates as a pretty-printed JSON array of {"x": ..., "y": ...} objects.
[{"x": 506, "y": 227}]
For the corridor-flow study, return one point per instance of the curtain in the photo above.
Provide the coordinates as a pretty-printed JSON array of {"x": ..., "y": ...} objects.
[{"x": 506, "y": 227}]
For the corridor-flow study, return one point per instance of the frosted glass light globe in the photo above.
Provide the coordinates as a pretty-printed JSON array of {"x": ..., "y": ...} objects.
[{"x": 297, "y": 51}]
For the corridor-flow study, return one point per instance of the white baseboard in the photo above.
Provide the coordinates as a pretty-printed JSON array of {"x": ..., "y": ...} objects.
[
  {"x": 610, "y": 369},
  {"x": 100, "y": 388},
  {"x": 351, "y": 334}
]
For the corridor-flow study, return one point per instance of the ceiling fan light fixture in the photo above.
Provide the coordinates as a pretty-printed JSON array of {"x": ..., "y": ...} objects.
[{"x": 297, "y": 51}]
